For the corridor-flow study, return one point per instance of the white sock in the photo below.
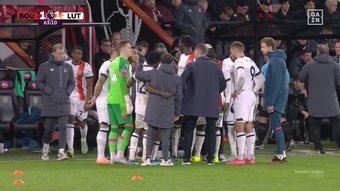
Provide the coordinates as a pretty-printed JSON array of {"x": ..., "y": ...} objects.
[
  {"x": 240, "y": 141},
  {"x": 133, "y": 145},
  {"x": 232, "y": 139},
  {"x": 218, "y": 142},
  {"x": 120, "y": 154},
  {"x": 101, "y": 142},
  {"x": 46, "y": 147},
  {"x": 284, "y": 154},
  {"x": 2, "y": 145},
  {"x": 250, "y": 144},
  {"x": 176, "y": 134},
  {"x": 70, "y": 136},
  {"x": 200, "y": 136},
  {"x": 61, "y": 150},
  {"x": 112, "y": 156},
  {"x": 154, "y": 150},
  {"x": 193, "y": 140},
  {"x": 83, "y": 132},
  {"x": 145, "y": 137}
]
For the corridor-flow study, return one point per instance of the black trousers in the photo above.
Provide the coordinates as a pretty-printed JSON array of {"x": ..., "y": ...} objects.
[
  {"x": 315, "y": 124},
  {"x": 189, "y": 124}
]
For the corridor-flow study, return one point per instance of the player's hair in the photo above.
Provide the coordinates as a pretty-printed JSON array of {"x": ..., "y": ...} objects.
[
  {"x": 202, "y": 48},
  {"x": 159, "y": 45},
  {"x": 167, "y": 58},
  {"x": 306, "y": 50},
  {"x": 141, "y": 44},
  {"x": 187, "y": 40},
  {"x": 122, "y": 44},
  {"x": 153, "y": 58},
  {"x": 323, "y": 49},
  {"x": 237, "y": 45},
  {"x": 78, "y": 48},
  {"x": 269, "y": 41},
  {"x": 57, "y": 46},
  {"x": 104, "y": 41}
]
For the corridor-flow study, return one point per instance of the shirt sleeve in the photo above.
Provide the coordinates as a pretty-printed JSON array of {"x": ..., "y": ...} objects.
[{"x": 88, "y": 71}]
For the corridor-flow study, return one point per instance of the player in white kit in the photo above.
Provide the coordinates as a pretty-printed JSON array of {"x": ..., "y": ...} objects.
[
  {"x": 81, "y": 94},
  {"x": 227, "y": 69},
  {"x": 100, "y": 99},
  {"x": 248, "y": 80}
]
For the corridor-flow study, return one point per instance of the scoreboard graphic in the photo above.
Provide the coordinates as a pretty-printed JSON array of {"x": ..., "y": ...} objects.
[{"x": 50, "y": 18}]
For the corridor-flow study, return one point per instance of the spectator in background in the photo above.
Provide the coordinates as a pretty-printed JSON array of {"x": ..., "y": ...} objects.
[
  {"x": 302, "y": 14},
  {"x": 56, "y": 82},
  {"x": 242, "y": 12},
  {"x": 174, "y": 6},
  {"x": 299, "y": 45},
  {"x": 192, "y": 20},
  {"x": 331, "y": 10},
  {"x": 103, "y": 54},
  {"x": 321, "y": 79},
  {"x": 336, "y": 58},
  {"x": 217, "y": 6},
  {"x": 116, "y": 38},
  {"x": 159, "y": 14},
  {"x": 284, "y": 12},
  {"x": 160, "y": 47},
  {"x": 297, "y": 64},
  {"x": 264, "y": 12}
]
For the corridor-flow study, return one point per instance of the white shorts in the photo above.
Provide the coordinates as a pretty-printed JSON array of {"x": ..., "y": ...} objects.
[
  {"x": 244, "y": 106},
  {"x": 77, "y": 109},
  {"x": 139, "y": 122},
  {"x": 229, "y": 115},
  {"x": 219, "y": 122},
  {"x": 103, "y": 114}
]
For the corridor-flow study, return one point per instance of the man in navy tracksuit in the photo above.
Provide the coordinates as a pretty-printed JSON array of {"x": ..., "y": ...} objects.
[{"x": 276, "y": 93}]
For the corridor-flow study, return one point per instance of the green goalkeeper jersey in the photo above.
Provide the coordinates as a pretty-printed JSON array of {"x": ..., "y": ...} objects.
[{"x": 119, "y": 74}]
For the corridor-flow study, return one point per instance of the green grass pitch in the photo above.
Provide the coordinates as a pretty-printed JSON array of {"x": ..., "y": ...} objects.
[{"x": 304, "y": 171}]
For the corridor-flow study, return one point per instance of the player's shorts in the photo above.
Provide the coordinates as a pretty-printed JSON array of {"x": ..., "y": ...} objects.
[
  {"x": 229, "y": 115},
  {"x": 77, "y": 109},
  {"x": 116, "y": 117},
  {"x": 219, "y": 122},
  {"x": 244, "y": 106},
  {"x": 103, "y": 114},
  {"x": 139, "y": 122}
]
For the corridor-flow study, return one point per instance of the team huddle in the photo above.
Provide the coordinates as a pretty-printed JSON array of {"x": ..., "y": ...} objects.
[{"x": 161, "y": 89}]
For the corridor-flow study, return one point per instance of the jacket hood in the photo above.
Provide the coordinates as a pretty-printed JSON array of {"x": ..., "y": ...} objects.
[
  {"x": 167, "y": 68},
  {"x": 279, "y": 53},
  {"x": 323, "y": 59},
  {"x": 54, "y": 61}
]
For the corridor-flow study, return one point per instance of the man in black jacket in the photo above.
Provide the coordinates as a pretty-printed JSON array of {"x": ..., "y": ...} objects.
[{"x": 203, "y": 81}]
